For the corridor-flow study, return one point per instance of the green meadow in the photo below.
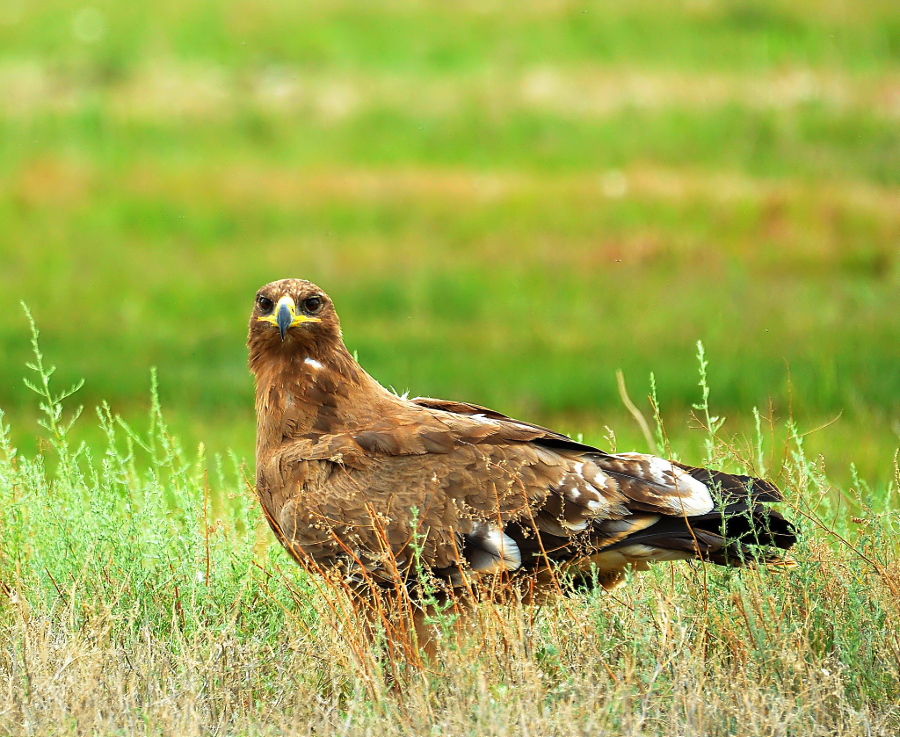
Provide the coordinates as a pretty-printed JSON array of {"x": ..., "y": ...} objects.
[{"x": 508, "y": 204}]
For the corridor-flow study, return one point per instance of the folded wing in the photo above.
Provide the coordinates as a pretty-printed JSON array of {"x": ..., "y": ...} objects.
[{"x": 470, "y": 493}]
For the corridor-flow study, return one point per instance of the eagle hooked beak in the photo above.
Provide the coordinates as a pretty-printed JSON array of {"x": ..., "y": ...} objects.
[{"x": 285, "y": 316}]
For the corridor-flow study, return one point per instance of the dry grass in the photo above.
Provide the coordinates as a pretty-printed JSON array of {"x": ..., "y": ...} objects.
[
  {"x": 198, "y": 91},
  {"x": 752, "y": 655}
]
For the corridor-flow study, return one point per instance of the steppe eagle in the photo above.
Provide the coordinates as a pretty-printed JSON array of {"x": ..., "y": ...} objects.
[{"x": 355, "y": 479}]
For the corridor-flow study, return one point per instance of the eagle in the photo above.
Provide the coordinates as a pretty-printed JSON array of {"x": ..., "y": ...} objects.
[{"x": 386, "y": 490}]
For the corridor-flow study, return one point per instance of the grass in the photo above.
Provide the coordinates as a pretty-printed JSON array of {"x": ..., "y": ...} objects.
[
  {"x": 507, "y": 208},
  {"x": 140, "y": 595}
]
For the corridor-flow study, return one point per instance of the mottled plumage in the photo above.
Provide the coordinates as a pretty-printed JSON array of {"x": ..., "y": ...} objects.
[{"x": 350, "y": 476}]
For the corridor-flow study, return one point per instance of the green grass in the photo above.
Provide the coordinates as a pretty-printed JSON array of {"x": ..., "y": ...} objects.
[
  {"x": 424, "y": 35},
  {"x": 141, "y": 595},
  {"x": 506, "y": 217},
  {"x": 527, "y": 298}
]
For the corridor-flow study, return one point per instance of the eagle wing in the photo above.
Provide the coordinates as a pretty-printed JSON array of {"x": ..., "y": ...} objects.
[{"x": 467, "y": 491}]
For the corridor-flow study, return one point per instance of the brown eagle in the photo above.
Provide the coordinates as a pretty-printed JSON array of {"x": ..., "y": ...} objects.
[{"x": 355, "y": 479}]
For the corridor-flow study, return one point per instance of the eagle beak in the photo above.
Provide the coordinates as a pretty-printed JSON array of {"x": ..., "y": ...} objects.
[{"x": 285, "y": 316}]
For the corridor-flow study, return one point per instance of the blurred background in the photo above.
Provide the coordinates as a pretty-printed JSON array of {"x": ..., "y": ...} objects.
[{"x": 507, "y": 201}]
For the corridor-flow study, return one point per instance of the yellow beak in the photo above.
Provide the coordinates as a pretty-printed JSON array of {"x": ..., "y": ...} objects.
[{"x": 285, "y": 316}]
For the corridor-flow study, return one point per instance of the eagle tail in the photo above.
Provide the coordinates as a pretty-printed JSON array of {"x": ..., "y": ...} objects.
[{"x": 741, "y": 529}]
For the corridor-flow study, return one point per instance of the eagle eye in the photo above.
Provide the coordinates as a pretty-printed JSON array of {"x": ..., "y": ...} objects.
[
  {"x": 312, "y": 305},
  {"x": 265, "y": 304}
]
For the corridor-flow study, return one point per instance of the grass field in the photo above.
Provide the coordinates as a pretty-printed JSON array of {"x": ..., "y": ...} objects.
[{"x": 507, "y": 206}]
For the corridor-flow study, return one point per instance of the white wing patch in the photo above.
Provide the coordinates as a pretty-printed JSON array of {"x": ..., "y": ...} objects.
[
  {"x": 484, "y": 419},
  {"x": 577, "y": 526},
  {"x": 489, "y": 550},
  {"x": 691, "y": 496}
]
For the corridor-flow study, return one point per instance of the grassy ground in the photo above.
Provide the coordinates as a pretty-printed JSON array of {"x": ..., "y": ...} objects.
[
  {"x": 507, "y": 207},
  {"x": 140, "y": 596}
]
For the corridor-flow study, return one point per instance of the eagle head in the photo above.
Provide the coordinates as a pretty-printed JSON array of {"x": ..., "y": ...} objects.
[{"x": 292, "y": 313}]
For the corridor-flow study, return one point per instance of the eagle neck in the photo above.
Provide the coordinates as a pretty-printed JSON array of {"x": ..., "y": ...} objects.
[{"x": 308, "y": 394}]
